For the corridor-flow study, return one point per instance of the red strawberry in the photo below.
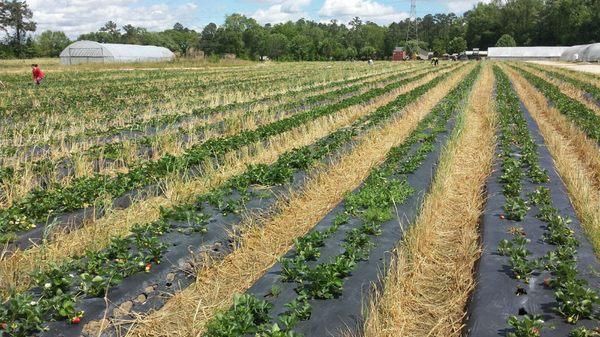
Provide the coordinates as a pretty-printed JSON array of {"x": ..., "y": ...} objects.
[
  {"x": 148, "y": 267},
  {"x": 3, "y": 326},
  {"x": 547, "y": 282},
  {"x": 502, "y": 216},
  {"x": 535, "y": 331},
  {"x": 75, "y": 320}
]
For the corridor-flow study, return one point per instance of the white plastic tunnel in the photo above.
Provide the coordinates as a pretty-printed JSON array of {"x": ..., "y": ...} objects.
[{"x": 94, "y": 52}]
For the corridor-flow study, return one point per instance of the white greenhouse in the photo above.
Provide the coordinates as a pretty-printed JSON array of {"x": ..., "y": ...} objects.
[
  {"x": 525, "y": 53},
  {"x": 584, "y": 53},
  {"x": 94, "y": 52}
]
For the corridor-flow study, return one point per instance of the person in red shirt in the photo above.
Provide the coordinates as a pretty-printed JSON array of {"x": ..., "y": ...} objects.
[{"x": 38, "y": 74}]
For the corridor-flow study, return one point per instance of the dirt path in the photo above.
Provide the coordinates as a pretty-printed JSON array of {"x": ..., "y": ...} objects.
[{"x": 586, "y": 68}]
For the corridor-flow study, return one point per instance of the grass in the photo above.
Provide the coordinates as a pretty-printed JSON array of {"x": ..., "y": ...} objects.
[
  {"x": 576, "y": 157},
  {"x": 427, "y": 286},
  {"x": 187, "y": 312}
]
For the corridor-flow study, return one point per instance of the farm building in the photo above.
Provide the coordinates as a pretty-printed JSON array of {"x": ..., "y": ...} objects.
[
  {"x": 525, "y": 53},
  {"x": 94, "y": 52},
  {"x": 583, "y": 53},
  {"x": 398, "y": 54}
]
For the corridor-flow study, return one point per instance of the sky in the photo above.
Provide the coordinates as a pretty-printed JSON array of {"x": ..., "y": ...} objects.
[{"x": 75, "y": 17}]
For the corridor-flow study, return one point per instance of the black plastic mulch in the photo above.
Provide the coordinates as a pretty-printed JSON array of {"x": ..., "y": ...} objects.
[{"x": 495, "y": 299}]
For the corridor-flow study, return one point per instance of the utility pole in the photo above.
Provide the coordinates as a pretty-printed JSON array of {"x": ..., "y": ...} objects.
[{"x": 413, "y": 30}]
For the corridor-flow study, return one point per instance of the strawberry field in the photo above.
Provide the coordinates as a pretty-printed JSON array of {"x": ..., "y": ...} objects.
[{"x": 301, "y": 199}]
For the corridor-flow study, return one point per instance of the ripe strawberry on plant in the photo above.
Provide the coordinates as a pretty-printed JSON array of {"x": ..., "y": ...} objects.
[
  {"x": 75, "y": 320},
  {"x": 3, "y": 326},
  {"x": 148, "y": 267}
]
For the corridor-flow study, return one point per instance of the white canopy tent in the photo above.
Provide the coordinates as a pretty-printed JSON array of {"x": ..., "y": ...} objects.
[
  {"x": 525, "y": 53},
  {"x": 94, "y": 52}
]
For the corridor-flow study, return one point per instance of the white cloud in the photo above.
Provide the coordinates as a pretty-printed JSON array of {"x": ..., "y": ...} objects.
[
  {"x": 365, "y": 9},
  {"x": 461, "y": 6},
  {"x": 75, "y": 17},
  {"x": 281, "y": 11}
]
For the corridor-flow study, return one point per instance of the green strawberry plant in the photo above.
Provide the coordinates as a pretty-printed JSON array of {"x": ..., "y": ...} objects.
[
  {"x": 575, "y": 301},
  {"x": 516, "y": 208},
  {"x": 529, "y": 326}
]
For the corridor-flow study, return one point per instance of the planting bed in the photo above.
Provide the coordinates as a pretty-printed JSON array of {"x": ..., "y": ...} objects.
[
  {"x": 537, "y": 272},
  {"x": 39, "y": 205},
  {"x": 269, "y": 200},
  {"x": 317, "y": 289},
  {"x": 185, "y": 230}
]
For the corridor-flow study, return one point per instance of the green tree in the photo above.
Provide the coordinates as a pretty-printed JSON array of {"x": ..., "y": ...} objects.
[
  {"x": 275, "y": 46},
  {"x": 368, "y": 52},
  {"x": 484, "y": 24},
  {"x": 520, "y": 18},
  {"x": 112, "y": 30},
  {"x": 351, "y": 53},
  {"x": 413, "y": 47},
  {"x": 438, "y": 47},
  {"x": 506, "y": 41},
  {"x": 16, "y": 17},
  {"x": 208, "y": 39},
  {"x": 51, "y": 43},
  {"x": 457, "y": 45}
]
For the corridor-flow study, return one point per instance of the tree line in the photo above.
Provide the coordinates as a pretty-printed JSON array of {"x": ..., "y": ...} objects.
[{"x": 498, "y": 23}]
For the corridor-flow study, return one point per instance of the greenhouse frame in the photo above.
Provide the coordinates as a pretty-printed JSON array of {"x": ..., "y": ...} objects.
[{"x": 95, "y": 52}]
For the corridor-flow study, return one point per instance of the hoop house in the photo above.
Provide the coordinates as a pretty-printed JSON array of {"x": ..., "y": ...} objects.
[
  {"x": 525, "y": 53},
  {"x": 94, "y": 52}
]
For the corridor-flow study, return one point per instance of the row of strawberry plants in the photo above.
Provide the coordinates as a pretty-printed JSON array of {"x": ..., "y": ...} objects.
[
  {"x": 39, "y": 205},
  {"x": 586, "y": 119},
  {"x": 364, "y": 214},
  {"x": 245, "y": 83},
  {"x": 112, "y": 150},
  {"x": 96, "y": 109},
  {"x": 139, "y": 126},
  {"x": 60, "y": 167},
  {"x": 526, "y": 186},
  {"x": 111, "y": 95},
  {"x": 59, "y": 288},
  {"x": 594, "y": 91}
]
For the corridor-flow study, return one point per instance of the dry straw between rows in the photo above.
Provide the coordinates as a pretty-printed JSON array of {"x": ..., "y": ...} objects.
[
  {"x": 187, "y": 312},
  {"x": 14, "y": 270},
  {"x": 426, "y": 288},
  {"x": 576, "y": 157},
  {"x": 566, "y": 88}
]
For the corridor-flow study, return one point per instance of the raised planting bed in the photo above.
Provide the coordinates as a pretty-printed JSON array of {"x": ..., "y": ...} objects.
[
  {"x": 41, "y": 207},
  {"x": 318, "y": 287},
  {"x": 133, "y": 271},
  {"x": 49, "y": 173},
  {"x": 585, "y": 119},
  {"x": 592, "y": 92},
  {"x": 538, "y": 273},
  {"x": 141, "y": 128}
]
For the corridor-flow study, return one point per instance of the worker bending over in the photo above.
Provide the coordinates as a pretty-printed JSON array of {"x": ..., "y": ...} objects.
[{"x": 38, "y": 74}]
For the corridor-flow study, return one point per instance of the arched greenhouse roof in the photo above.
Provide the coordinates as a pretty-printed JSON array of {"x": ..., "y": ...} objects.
[
  {"x": 525, "y": 52},
  {"x": 95, "y": 52},
  {"x": 585, "y": 53}
]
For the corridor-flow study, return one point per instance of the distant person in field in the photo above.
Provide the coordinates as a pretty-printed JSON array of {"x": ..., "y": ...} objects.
[
  {"x": 370, "y": 62},
  {"x": 38, "y": 74}
]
